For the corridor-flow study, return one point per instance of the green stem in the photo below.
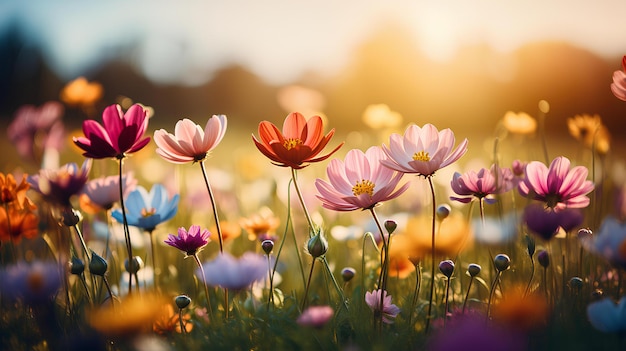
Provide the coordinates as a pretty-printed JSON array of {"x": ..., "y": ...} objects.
[
  {"x": 493, "y": 288},
  {"x": 206, "y": 288},
  {"x": 129, "y": 247},
  {"x": 469, "y": 287},
  {"x": 432, "y": 272},
  {"x": 332, "y": 278},
  {"x": 384, "y": 261},
  {"x": 306, "y": 212},
  {"x": 215, "y": 215},
  {"x": 416, "y": 291},
  {"x": 308, "y": 283}
]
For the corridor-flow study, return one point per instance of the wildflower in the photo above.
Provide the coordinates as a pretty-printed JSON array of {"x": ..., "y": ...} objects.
[
  {"x": 482, "y": 184},
  {"x": 618, "y": 87},
  {"x": 454, "y": 234},
  {"x": 546, "y": 222},
  {"x": 120, "y": 134},
  {"x": 315, "y": 316},
  {"x": 35, "y": 282},
  {"x": 189, "y": 242},
  {"x": 607, "y": 316},
  {"x": 524, "y": 312},
  {"x": 230, "y": 230},
  {"x": 60, "y": 185},
  {"x": 128, "y": 318},
  {"x": 380, "y": 116},
  {"x": 146, "y": 210},
  {"x": 169, "y": 322},
  {"x": 80, "y": 92},
  {"x": 17, "y": 224},
  {"x": 14, "y": 194},
  {"x": 389, "y": 310},
  {"x": 35, "y": 129},
  {"x": 472, "y": 332},
  {"x": 495, "y": 229},
  {"x": 519, "y": 123},
  {"x": 559, "y": 186},
  {"x": 262, "y": 225},
  {"x": 190, "y": 143},
  {"x": 102, "y": 193},
  {"x": 610, "y": 242},
  {"x": 422, "y": 151},
  {"x": 361, "y": 182},
  {"x": 233, "y": 273},
  {"x": 299, "y": 144},
  {"x": 590, "y": 131}
]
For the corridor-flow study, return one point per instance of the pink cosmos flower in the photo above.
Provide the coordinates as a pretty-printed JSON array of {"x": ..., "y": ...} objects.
[
  {"x": 189, "y": 242},
  {"x": 35, "y": 129},
  {"x": 102, "y": 193},
  {"x": 389, "y": 310},
  {"x": 315, "y": 316},
  {"x": 190, "y": 143},
  {"x": 119, "y": 135},
  {"x": 361, "y": 182},
  {"x": 60, "y": 185},
  {"x": 233, "y": 273},
  {"x": 618, "y": 87},
  {"x": 482, "y": 184},
  {"x": 559, "y": 186},
  {"x": 422, "y": 151}
]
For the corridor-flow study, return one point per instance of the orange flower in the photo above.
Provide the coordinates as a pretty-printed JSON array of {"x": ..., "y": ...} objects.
[
  {"x": 453, "y": 234},
  {"x": 300, "y": 142},
  {"x": 80, "y": 92},
  {"x": 261, "y": 225},
  {"x": 590, "y": 131},
  {"x": 169, "y": 322},
  {"x": 519, "y": 123},
  {"x": 230, "y": 230},
  {"x": 129, "y": 317},
  {"x": 22, "y": 222},
  {"x": 11, "y": 193},
  {"x": 525, "y": 313}
]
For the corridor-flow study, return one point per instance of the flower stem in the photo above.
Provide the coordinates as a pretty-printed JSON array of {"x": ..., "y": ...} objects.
[
  {"x": 469, "y": 287},
  {"x": 308, "y": 283},
  {"x": 215, "y": 215},
  {"x": 106, "y": 283},
  {"x": 493, "y": 289},
  {"x": 432, "y": 255},
  {"x": 332, "y": 278},
  {"x": 206, "y": 288},
  {"x": 270, "y": 299},
  {"x": 306, "y": 212},
  {"x": 416, "y": 291},
  {"x": 384, "y": 261},
  {"x": 129, "y": 247},
  {"x": 445, "y": 310},
  {"x": 532, "y": 275},
  {"x": 180, "y": 320}
]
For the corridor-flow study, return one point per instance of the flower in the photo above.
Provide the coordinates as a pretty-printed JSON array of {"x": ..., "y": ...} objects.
[
  {"x": 315, "y": 316},
  {"x": 559, "y": 186},
  {"x": 18, "y": 223},
  {"x": 422, "y": 151},
  {"x": 610, "y": 242},
  {"x": 60, "y": 185},
  {"x": 473, "y": 332},
  {"x": 189, "y": 242},
  {"x": 261, "y": 226},
  {"x": 35, "y": 129},
  {"x": 119, "y": 135},
  {"x": 361, "y": 182},
  {"x": 13, "y": 194},
  {"x": 233, "y": 273},
  {"x": 190, "y": 143},
  {"x": 146, "y": 210},
  {"x": 590, "y": 131},
  {"x": 380, "y": 116},
  {"x": 35, "y": 282},
  {"x": 131, "y": 316},
  {"x": 607, "y": 316},
  {"x": 519, "y": 123},
  {"x": 481, "y": 184},
  {"x": 520, "y": 311},
  {"x": 389, "y": 310},
  {"x": 546, "y": 222},
  {"x": 169, "y": 322},
  {"x": 80, "y": 92},
  {"x": 102, "y": 193},
  {"x": 618, "y": 87},
  {"x": 299, "y": 144}
]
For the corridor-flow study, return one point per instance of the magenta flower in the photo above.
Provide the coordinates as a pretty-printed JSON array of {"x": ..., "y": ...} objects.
[
  {"x": 315, "y": 316},
  {"x": 60, "y": 185},
  {"x": 482, "y": 184},
  {"x": 559, "y": 186},
  {"x": 233, "y": 273},
  {"x": 389, "y": 310},
  {"x": 618, "y": 87},
  {"x": 119, "y": 135},
  {"x": 361, "y": 182},
  {"x": 422, "y": 151},
  {"x": 189, "y": 242},
  {"x": 190, "y": 143}
]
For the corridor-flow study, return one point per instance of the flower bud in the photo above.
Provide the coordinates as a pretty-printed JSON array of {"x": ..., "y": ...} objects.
[
  {"x": 391, "y": 226},
  {"x": 70, "y": 217},
  {"x": 446, "y": 267},
  {"x": 530, "y": 245},
  {"x": 597, "y": 295},
  {"x": 543, "y": 258},
  {"x": 267, "y": 246},
  {"x": 77, "y": 266},
  {"x": 443, "y": 211},
  {"x": 473, "y": 269},
  {"x": 97, "y": 265},
  {"x": 348, "y": 273},
  {"x": 584, "y": 233},
  {"x": 134, "y": 266},
  {"x": 576, "y": 283},
  {"x": 317, "y": 245},
  {"x": 502, "y": 262},
  {"x": 182, "y": 301}
]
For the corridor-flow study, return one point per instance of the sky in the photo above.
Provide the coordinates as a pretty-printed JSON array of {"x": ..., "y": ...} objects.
[{"x": 185, "y": 42}]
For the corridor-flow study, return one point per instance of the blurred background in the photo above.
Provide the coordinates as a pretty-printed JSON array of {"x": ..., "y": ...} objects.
[{"x": 458, "y": 64}]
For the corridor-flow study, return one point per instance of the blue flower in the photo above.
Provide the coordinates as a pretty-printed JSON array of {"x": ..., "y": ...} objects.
[
  {"x": 146, "y": 210},
  {"x": 607, "y": 316},
  {"x": 35, "y": 283}
]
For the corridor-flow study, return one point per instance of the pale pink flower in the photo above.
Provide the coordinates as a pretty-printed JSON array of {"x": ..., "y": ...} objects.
[
  {"x": 558, "y": 186},
  {"x": 618, "y": 87},
  {"x": 233, "y": 273},
  {"x": 422, "y": 151},
  {"x": 190, "y": 143},
  {"x": 389, "y": 310},
  {"x": 315, "y": 316},
  {"x": 360, "y": 182},
  {"x": 482, "y": 184}
]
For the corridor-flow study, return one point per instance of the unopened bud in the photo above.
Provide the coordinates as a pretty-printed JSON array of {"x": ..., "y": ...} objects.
[
  {"x": 446, "y": 267},
  {"x": 443, "y": 211},
  {"x": 77, "y": 266},
  {"x": 543, "y": 258},
  {"x": 348, "y": 273},
  {"x": 70, "y": 217},
  {"x": 584, "y": 233},
  {"x": 530, "y": 245},
  {"x": 267, "y": 246},
  {"x": 182, "y": 301},
  {"x": 391, "y": 226},
  {"x": 134, "y": 266},
  {"x": 317, "y": 245},
  {"x": 97, "y": 265},
  {"x": 502, "y": 262},
  {"x": 473, "y": 269},
  {"x": 576, "y": 283}
]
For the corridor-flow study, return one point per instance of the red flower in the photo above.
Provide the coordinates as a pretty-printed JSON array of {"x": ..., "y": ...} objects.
[
  {"x": 120, "y": 133},
  {"x": 300, "y": 142}
]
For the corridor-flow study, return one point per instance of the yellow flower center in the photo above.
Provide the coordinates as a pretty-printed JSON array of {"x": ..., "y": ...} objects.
[
  {"x": 291, "y": 143},
  {"x": 421, "y": 156},
  {"x": 363, "y": 187},
  {"x": 147, "y": 212}
]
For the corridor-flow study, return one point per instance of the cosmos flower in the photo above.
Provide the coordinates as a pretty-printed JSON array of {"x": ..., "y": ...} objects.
[
  {"x": 80, "y": 92},
  {"x": 262, "y": 225},
  {"x": 389, "y": 310},
  {"x": 190, "y": 143},
  {"x": 359, "y": 182},
  {"x": 590, "y": 131},
  {"x": 169, "y": 322},
  {"x": 36, "y": 129},
  {"x": 34, "y": 282},
  {"x": 147, "y": 209},
  {"x": 422, "y": 151},
  {"x": 558, "y": 186},
  {"x": 546, "y": 222},
  {"x": 618, "y": 87},
  {"x": 60, "y": 185},
  {"x": 315, "y": 316},
  {"x": 189, "y": 242},
  {"x": 610, "y": 241},
  {"x": 17, "y": 224},
  {"x": 13, "y": 194},
  {"x": 519, "y": 123},
  {"x": 233, "y": 273},
  {"x": 299, "y": 144},
  {"x": 482, "y": 184},
  {"x": 119, "y": 135},
  {"x": 102, "y": 193},
  {"x": 607, "y": 316}
]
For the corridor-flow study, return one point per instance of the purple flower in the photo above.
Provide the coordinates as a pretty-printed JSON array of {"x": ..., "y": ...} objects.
[
  {"x": 315, "y": 316},
  {"x": 119, "y": 135},
  {"x": 389, "y": 310},
  {"x": 36, "y": 282},
  {"x": 58, "y": 186},
  {"x": 546, "y": 222},
  {"x": 189, "y": 242},
  {"x": 37, "y": 127},
  {"x": 559, "y": 186},
  {"x": 233, "y": 273},
  {"x": 104, "y": 192},
  {"x": 482, "y": 184}
]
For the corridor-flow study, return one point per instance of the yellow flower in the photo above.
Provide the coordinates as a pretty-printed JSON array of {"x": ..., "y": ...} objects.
[
  {"x": 80, "y": 92},
  {"x": 381, "y": 116},
  {"x": 519, "y": 123},
  {"x": 261, "y": 225},
  {"x": 589, "y": 130},
  {"x": 133, "y": 315}
]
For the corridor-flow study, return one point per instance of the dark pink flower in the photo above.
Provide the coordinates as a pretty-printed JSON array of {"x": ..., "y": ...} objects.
[
  {"x": 361, "y": 182},
  {"x": 315, "y": 316},
  {"x": 482, "y": 184},
  {"x": 189, "y": 242},
  {"x": 389, "y": 310},
  {"x": 558, "y": 186},
  {"x": 120, "y": 133},
  {"x": 618, "y": 87}
]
